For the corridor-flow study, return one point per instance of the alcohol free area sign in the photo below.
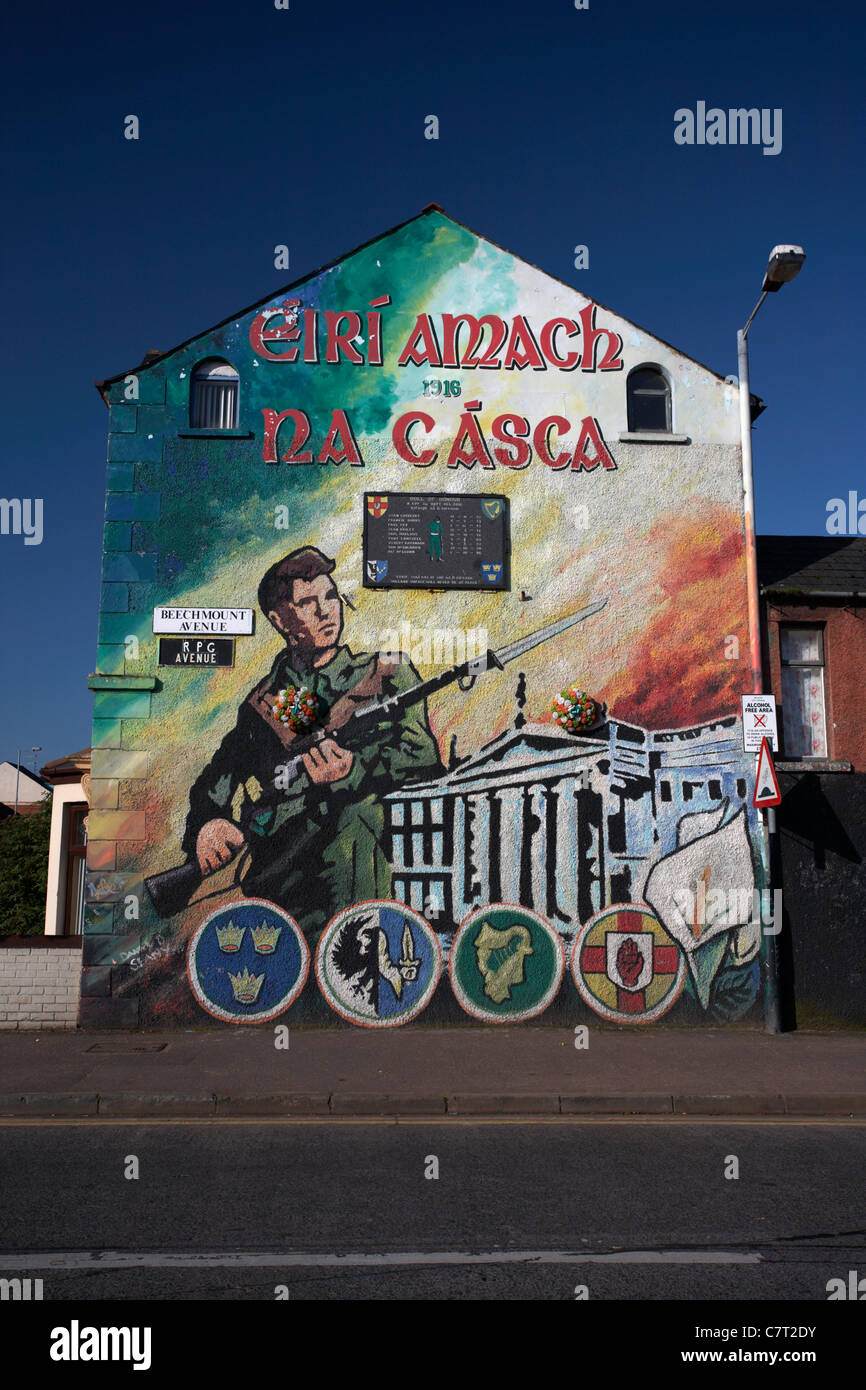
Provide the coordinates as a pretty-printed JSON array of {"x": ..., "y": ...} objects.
[{"x": 759, "y": 722}]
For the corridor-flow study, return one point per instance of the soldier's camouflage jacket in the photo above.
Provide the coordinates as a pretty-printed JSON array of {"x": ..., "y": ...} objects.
[{"x": 314, "y": 848}]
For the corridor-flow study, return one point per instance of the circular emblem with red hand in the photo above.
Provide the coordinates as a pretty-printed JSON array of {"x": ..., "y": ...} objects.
[{"x": 627, "y": 967}]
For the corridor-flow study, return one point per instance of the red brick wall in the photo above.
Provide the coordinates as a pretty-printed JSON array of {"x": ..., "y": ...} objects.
[{"x": 844, "y": 624}]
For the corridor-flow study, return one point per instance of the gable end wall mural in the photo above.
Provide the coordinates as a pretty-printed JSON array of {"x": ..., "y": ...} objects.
[{"x": 418, "y": 679}]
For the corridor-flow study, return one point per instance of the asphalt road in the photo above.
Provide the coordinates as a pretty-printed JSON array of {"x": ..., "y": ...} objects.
[{"x": 633, "y": 1209}]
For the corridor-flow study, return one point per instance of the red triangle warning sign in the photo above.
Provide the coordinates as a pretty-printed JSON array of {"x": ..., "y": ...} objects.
[{"x": 766, "y": 785}]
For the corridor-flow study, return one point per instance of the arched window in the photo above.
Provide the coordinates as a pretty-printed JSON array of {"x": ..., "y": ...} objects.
[
  {"x": 213, "y": 402},
  {"x": 649, "y": 400}
]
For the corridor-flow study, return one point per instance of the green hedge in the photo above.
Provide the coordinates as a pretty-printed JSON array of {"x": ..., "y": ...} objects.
[{"x": 24, "y": 872}]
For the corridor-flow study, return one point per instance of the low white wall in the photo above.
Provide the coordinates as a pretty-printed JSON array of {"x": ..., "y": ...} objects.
[{"x": 39, "y": 986}]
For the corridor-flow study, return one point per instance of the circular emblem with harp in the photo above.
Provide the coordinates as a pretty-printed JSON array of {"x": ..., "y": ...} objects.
[
  {"x": 378, "y": 963},
  {"x": 506, "y": 963}
]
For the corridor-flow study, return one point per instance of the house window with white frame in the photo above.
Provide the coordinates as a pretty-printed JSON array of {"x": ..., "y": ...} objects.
[
  {"x": 76, "y": 867},
  {"x": 804, "y": 719}
]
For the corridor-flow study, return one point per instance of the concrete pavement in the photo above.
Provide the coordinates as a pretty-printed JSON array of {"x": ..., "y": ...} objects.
[{"x": 483, "y": 1071}]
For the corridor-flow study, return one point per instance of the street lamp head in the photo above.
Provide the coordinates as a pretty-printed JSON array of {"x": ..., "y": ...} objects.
[{"x": 785, "y": 262}]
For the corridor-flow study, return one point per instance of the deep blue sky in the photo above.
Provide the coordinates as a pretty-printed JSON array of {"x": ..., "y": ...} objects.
[{"x": 305, "y": 127}]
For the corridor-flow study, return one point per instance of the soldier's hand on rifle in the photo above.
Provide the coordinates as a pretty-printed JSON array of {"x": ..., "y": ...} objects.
[
  {"x": 328, "y": 762},
  {"x": 216, "y": 844}
]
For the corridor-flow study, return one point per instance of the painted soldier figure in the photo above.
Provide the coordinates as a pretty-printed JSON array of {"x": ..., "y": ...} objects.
[{"x": 317, "y": 845}]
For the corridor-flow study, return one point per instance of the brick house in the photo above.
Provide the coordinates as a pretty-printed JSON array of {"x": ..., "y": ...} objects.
[{"x": 813, "y": 619}]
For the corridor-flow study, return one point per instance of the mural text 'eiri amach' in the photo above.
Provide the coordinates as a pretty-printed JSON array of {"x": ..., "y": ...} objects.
[
  {"x": 508, "y": 346},
  {"x": 446, "y": 726}
]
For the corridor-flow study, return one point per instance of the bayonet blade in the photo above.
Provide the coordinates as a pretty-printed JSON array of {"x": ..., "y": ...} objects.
[{"x": 534, "y": 639}]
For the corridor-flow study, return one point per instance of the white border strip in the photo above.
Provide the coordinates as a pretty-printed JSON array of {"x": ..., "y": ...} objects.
[{"x": 129, "y": 1259}]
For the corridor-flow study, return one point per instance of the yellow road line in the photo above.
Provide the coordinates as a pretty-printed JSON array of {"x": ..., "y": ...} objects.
[{"x": 458, "y": 1121}]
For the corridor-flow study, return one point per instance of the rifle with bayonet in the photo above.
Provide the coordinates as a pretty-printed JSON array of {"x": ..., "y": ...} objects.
[{"x": 353, "y": 717}]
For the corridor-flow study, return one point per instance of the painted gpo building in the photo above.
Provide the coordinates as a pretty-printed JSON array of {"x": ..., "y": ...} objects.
[{"x": 561, "y": 824}]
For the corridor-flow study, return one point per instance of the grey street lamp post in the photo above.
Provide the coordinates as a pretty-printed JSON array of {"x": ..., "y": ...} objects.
[
  {"x": 785, "y": 262},
  {"x": 34, "y": 748}
]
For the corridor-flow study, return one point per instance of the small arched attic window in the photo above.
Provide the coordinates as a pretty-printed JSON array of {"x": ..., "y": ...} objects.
[
  {"x": 213, "y": 395},
  {"x": 649, "y": 400}
]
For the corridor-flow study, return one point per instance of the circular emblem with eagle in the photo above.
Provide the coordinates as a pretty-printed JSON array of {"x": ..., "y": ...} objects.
[
  {"x": 627, "y": 967},
  {"x": 506, "y": 963},
  {"x": 378, "y": 963}
]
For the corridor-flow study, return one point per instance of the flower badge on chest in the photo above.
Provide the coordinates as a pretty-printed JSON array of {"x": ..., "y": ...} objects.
[{"x": 298, "y": 707}]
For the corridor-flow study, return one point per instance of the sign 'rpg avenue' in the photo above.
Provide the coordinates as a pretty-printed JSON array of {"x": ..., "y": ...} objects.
[{"x": 447, "y": 726}]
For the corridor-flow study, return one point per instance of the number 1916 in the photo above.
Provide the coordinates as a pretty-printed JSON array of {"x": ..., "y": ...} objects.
[{"x": 435, "y": 388}]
